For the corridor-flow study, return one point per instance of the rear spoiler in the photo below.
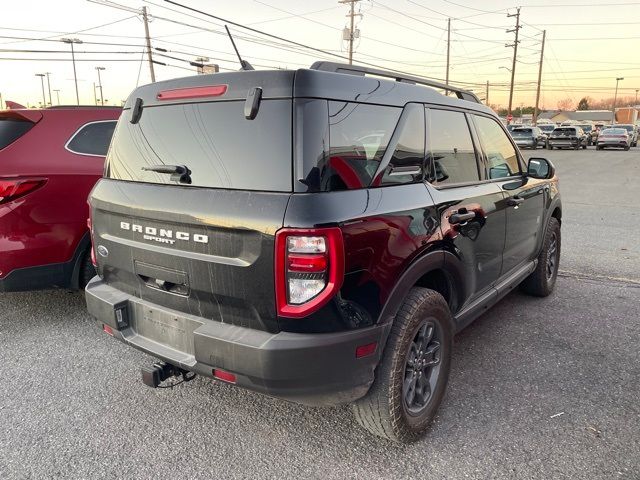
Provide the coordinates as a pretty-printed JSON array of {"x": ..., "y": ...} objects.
[{"x": 33, "y": 116}]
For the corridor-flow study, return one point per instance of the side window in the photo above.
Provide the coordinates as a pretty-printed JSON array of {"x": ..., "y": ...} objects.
[
  {"x": 93, "y": 138},
  {"x": 358, "y": 136},
  {"x": 501, "y": 155},
  {"x": 451, "y": 149},
  {"x": 407, "y": 161}
]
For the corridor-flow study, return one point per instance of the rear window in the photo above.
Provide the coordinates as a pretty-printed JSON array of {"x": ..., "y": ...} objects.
[
  {"x": 12, "y": 129},
  {"x": 93, "y": 138},
  {"x": 565, "y": 131},
  {"x": 214, "y": 140},
  {"x": 522, "y": 131}
]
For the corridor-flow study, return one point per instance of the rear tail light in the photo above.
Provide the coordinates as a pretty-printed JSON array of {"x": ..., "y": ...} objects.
[
  {"x": 94, "y": 260},
  {"x": 309, "y": 266},
  {"x": 13, "y": 188}
]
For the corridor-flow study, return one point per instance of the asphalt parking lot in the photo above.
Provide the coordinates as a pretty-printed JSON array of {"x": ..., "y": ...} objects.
[{"x": 540, "y": 388}]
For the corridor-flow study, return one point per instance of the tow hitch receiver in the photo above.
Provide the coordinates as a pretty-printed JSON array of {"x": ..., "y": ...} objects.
[{"x": 154, "y": 375}]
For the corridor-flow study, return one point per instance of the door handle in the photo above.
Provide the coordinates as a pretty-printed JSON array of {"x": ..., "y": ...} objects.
[
  {"x": 514, "y": 201},
  {"x": 461, "y": 217}
]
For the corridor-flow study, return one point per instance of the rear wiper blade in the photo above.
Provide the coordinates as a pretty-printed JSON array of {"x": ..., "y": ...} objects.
[{"x": 179, "y": 173}]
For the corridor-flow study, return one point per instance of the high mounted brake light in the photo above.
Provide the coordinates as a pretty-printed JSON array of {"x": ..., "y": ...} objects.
[
  {"x": 192, "y": 92},
  {"x": 309, "y": 269},
  {"x": 13, "y": 188}
]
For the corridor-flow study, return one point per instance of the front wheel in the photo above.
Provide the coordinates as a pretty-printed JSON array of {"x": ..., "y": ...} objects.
[
  {"x": 627, "y": 148},
  {"x": 542, "y": 280},
  {"x": 412, "y": 376}
]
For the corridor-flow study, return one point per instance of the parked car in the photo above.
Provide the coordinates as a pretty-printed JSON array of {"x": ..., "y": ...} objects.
[
  {"x": 614, "y": 138},
  {"x": 313, "y": 248},
  {"x": 567, "y": 137},
  {"x": 591, "y": 132},
  {"x": 529, "y": 137},
  {"x": 49, "y": 161},
  {"x": 631, "y": 129},
  {"x": 546, "y": 128}
]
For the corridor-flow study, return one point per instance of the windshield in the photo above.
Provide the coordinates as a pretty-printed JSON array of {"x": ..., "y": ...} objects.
[{"x": 614, "y": 131}]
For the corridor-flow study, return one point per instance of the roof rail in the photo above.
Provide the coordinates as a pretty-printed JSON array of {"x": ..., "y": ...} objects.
[{"x": 397, "y": 76}]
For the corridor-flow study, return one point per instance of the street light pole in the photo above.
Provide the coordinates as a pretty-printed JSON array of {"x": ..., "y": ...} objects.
[
  {"x": 615, "y": 99},
  {"x": 49, "y": 87},
  {"x": 57, "y": 97},
  {"x": 100, "y": 85},
  {"x": 71, "y": 41},
  {"x": 44, "y": 97}
]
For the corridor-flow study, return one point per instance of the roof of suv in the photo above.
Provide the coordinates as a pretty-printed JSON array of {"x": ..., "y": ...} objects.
[{"x": 323, "y": 80}]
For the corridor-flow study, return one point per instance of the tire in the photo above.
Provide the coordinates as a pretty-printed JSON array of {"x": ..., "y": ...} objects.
[
  {"x": 385, "y": 410},
  {"x": 626, "y": 149},
  {"x": 584, "y": 147},
  {"x": 598, "y": 147},
  {"x": 542, "y": 280},
  {"x": 550, "y": 147},
  {"x": 87, "y": 270}
]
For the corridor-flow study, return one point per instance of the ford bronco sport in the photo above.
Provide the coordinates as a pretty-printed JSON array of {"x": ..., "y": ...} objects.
[{"x": 317, "y": 235}]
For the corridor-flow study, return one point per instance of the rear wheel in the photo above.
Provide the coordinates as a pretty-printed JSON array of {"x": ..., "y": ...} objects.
[
  {"x": 87, "y": 270},
  {"x": 542, "y": 280},
  {"x": 412, "y": 376}
]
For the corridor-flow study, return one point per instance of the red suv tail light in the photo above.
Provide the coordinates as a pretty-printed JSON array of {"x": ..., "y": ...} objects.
[
  {"x": 94, "y": 260},
  {"x": 309, "y": 267},
  {"x": 13, "y": 188}
]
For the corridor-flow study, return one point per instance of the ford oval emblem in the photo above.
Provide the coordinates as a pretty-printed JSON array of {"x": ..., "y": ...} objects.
[{"x": 102, "y": 251}]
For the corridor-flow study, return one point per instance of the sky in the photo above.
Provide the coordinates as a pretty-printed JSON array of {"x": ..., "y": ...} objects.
[{"x": 588, "y": 43}]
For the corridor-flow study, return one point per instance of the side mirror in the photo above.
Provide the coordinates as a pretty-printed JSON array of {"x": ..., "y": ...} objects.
[{"x": 540, "y": 168}]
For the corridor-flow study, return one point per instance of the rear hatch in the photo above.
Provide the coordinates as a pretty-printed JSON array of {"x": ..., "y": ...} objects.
[{"x": 201, "y": 244}]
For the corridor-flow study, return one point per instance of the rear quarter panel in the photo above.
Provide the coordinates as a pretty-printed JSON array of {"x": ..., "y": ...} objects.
[{"x": 46, "y": 226}]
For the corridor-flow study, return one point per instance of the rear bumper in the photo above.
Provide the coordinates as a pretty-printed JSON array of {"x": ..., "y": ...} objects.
[
  {"x": 313, "y": 369},
  {"x": 612, "y": 143},
  {"x": 564, "y": 143}
]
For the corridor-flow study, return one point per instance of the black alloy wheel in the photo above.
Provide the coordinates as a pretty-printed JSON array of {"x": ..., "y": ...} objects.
[{"x": 422, "y": 368}]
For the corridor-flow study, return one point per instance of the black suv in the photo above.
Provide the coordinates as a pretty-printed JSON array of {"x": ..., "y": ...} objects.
[
  {"x": 567, "y": 137},
  {"x": 317, "y": 235}
]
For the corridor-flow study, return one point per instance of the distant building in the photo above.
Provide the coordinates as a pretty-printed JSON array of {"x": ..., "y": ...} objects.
[
  {"x": 628, "y": 114},
  {"x": 559, "y": 116}
]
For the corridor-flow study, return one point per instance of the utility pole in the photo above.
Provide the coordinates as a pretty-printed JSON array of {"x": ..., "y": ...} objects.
[
  {"x": 636, "y": 102},
  {"x": 448, "y": 49},
  {"x": 100, "y": 86},
  {"x": 515, "y": 56},
  {"x": 351, "y": 35},
  {"x": 71, "y": 41},
  {"x": 486, "y": 94},
  {"x": 44, "y": 97},
  {"x": 1, "y": 106},
  {"x": 49, "y": 87},
  {"x": 535, "y": 111},
  {"x": 95, "y": 98},
  {"x": 148, "y": 40},
  {"x": 57, "y": 97}
]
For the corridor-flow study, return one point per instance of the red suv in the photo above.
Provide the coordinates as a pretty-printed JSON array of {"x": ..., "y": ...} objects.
[{"x": 49, "y": 161}]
